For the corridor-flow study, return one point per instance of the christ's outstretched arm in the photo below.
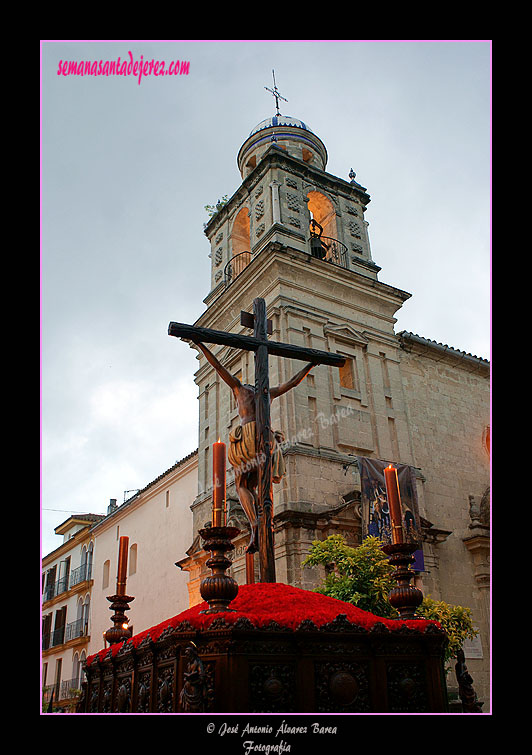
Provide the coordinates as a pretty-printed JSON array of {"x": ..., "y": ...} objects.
[
  {"x": 231, "y": 380},
  {"x": 295, "y": 380}
]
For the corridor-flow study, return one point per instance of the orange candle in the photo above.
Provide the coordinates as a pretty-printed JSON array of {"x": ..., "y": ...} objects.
[
  {"x": 394, "y": 503},
  {"x": 218, "y": 490},
  {"x": 122, "y": 566}
]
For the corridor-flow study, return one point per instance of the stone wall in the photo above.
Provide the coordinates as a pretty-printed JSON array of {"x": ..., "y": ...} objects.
[{"x": 447, "y": 398}]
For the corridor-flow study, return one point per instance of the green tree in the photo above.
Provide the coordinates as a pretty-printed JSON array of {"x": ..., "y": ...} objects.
[{"x": 363, "y": 576}]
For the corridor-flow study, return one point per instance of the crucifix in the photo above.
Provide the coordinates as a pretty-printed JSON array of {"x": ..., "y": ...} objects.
[
  {"x": 254, "y": 453},
  {"x": 275, "y": 93}
]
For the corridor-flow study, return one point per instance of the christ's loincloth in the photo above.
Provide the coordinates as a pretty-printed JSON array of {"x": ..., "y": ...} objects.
[{"x": 242, "y": 455}]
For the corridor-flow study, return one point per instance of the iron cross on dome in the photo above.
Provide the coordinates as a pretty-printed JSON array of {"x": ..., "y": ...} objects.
[{"x": 275, "y": 93}]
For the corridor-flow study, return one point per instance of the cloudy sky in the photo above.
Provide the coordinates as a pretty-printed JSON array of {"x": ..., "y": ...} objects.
[{"x": 126, "y": 171}]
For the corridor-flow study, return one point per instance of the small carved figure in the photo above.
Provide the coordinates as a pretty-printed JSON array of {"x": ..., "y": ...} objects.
[
  {"x": 193, "y": 696},
  {"x": 479, "y": 513},
  {"x": 466, "y": 692}
]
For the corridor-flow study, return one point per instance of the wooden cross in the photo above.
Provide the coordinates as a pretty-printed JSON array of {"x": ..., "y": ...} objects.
[{"x": 262, "y": 347}]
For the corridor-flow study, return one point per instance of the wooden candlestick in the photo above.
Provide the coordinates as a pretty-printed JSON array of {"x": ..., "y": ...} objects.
[
  {"x": 120, "y": 602},
  {"x": 120, "y": 631},
  {"x": 405, "y": 598},
  {"x": 219, "y": 588}
]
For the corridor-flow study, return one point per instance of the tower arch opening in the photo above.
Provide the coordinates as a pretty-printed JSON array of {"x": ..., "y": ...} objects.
[
  {"x": 323, "y": 212},
  {"x": 240, "y": 242}
]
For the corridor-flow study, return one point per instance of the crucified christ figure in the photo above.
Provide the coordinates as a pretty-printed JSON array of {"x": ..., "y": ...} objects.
[{"x": 242, "y": 447}]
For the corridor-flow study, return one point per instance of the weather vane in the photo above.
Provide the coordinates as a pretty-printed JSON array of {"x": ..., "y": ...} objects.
[{"x": 275, "y": 93}]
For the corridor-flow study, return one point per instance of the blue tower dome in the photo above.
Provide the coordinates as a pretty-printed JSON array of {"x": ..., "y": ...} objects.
[
  {"x": 289, "y": 134},
  {"x": 280, "y": 120}
]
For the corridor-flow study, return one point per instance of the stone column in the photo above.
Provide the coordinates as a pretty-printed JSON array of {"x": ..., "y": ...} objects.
[{"x": 276, "y": 206}]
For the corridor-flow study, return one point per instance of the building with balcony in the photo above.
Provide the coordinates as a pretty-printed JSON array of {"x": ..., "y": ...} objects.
[{"x": 66, "y": 602}]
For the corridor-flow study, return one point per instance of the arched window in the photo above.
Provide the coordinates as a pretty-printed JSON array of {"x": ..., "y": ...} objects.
[
  {"x": 133, "y": 559},
  {"x": 323, "y": 212},
  {"x": 76, "y": 672},
  {"x": 90, "y": 554},
  {"x": 105, "y": 576},
  {"x": 85, "y": 615},
  {"x": 240, "y": 243}
]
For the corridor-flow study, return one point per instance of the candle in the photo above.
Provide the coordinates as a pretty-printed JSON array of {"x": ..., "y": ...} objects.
[
  {"x": 218, "y": 492},
  {"x": 394, "y": 503},
  {"x": 122, "y": 566}
]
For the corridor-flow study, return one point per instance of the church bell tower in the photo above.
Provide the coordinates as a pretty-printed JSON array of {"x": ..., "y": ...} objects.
[{"x": 295, "y": 235}]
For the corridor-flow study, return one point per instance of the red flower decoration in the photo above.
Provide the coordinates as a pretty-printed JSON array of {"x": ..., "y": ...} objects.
[{"x": 264, "y": 602}]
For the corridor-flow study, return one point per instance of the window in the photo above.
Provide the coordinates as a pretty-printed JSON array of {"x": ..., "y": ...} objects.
[
  {"x": 240, "y": 243},
  {"x": 251, "y": 163},
  {"x": 347, "y": 374},
  {"x": 59, "y": 626},
  {"x": 105, "y": 577},
  {"x": 58, "y": 665},
  {"x": 133, "y": 559},
  {"x": 323, "y": 212},
  {"x": 49, "y": 588},
  {"x": 46, "y": 631}
]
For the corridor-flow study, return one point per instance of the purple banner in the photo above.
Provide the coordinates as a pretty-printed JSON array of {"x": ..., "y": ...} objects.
[{"x": 376, "y": 514}]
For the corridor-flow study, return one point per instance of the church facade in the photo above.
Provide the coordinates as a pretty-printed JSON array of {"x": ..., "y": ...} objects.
[{"x": 296, "y": 236}]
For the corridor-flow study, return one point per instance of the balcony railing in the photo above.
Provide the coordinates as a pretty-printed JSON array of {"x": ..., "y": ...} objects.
[
  {"x": 76, "y": 629},
  {"x": 65, "y": 633},
  {"x": 330, "y": 250},
  {"x": 322, "y": 247},
  {"x": 63, "y": 690},
  {"x": 235, "y": 266},
  {"x": 80, "y": 574},
  {"x": 76, "y": 576}
]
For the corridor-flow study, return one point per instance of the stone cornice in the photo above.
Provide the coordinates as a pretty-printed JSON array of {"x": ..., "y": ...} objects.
[
  {"x": 276, "y": 253},
  {"x": 412, "y": 343}
]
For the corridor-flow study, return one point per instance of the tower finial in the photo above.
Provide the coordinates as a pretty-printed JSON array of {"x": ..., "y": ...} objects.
[{"x": 276, "y": 94}]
